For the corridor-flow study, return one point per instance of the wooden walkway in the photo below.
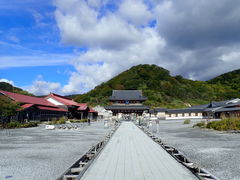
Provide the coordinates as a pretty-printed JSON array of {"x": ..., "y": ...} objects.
[{"x": 132, "y": 155}]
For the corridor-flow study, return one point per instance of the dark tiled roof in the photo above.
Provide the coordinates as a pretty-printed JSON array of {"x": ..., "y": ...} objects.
[
  {"x": 127, "y": 95},
  {"x": 204, "y": 106},
  {"x": 187, "y": 110},
  {"x": 127, "y": 107},
  {"x": 228, "y": 109},
  {"x": 160, "y": 109}
]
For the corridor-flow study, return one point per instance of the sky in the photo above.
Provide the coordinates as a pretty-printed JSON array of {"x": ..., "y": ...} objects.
[{"x": 71, "y": 46}]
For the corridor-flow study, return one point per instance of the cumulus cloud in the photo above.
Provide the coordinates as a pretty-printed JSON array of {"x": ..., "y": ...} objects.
[
  {"x": 80, "y": 25},
  {"x": 135, "y": 11},
  {"x": 41, "y": 87},
  {"x": 7, "y": 81},
  {"x": 198, "y": 40}
]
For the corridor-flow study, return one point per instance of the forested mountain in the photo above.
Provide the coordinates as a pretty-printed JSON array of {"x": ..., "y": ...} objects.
[
  {"x": 231, "y": 79},
  {"x": 8, "y": 87},
  {"x": 162, "y": 89}
]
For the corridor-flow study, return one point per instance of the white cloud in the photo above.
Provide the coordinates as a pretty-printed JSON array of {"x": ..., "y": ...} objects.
[
  {"x": 7, "y": 81},
  {"x": 80, "y": 25},
  {"x": 35, "y": 60},
  {"x": 233, "y": 56},
  {"x": 135, "y": 11},
  {"x": 41, "y": 87},
  {"x": 115, "y": 40},
  {"x": 189, "y": 37},
  {"x": 39, "y": 18},
  {"x": 99, "y": 65}
]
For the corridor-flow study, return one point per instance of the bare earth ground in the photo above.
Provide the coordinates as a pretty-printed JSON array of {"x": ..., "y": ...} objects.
[
  {"x": 39, "y": 154},
  {"x": 218, "y": 152}
]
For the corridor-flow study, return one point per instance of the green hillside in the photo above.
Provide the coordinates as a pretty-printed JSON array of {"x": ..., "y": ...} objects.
[
  {"x": 231, "y": 79},
  {"x": 8, "y": 87},
  {"x": 162, "y": 89}
]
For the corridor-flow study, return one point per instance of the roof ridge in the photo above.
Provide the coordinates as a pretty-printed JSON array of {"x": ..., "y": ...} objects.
[{"x": 60, "y": 96}]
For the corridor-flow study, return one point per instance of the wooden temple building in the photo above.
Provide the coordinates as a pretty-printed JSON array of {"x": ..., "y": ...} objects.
[
  {"x": 49, "y": 107},
  {"x": 34, "y": 108},
  {"x": 127, "y": 102}
]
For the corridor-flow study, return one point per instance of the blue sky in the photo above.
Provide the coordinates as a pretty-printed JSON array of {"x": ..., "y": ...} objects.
[
  {"x": 70, "y": 46},
  {"x": 29, "y": 31}
]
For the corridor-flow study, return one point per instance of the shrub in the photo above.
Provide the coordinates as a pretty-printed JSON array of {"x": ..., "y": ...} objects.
[
  {"x": 225, "y": 124},
  {"x": 62, "y": 120},
  {"x": 13, "y": 124},
  {"x": 29, "y": 124},
  {"x": 75, "y": 121},
  {"x": 187, "y": 121},
  {"x": 200, "y": 124}
]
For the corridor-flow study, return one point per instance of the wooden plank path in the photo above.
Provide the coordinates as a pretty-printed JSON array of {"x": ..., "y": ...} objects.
[{"x": 132, "y": 155}]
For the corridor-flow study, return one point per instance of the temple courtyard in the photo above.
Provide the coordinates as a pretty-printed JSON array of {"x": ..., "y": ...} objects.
[
  {"x": 218, "y": 152},
  {"x": 40, "y": 154},
  {"x": 37, "y": 153}
]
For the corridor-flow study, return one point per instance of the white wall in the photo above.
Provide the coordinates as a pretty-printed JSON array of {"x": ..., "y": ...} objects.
[{"x": 53, "y": 101}]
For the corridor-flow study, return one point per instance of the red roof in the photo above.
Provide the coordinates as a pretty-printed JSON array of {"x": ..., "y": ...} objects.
[
  {"x": 27, "y": 106},
  {"x": 64, "y": 100},
  {"x": 92, "y": 110},
  {"x": 82, "y": 107},
  {"x": 27, "y": 99},
  {"x": 51, "y": 108}
]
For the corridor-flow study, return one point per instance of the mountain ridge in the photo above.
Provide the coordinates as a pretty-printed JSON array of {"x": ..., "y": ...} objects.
[
  {"x": 8, "y": 87},
  {"x": 160, "y": 87}
]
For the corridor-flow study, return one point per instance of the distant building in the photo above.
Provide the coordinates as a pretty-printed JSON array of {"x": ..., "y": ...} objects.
[
  {"x": 49, "y": 107},
  {"x": 230, "y": 108},
  {"x": 127, "y": 102},
  {"x": 215, "y": 110},
  {"x": 34, "y": 108},
  {"x": 92, "y": 114},
  {"x": 76, "y": 110}
]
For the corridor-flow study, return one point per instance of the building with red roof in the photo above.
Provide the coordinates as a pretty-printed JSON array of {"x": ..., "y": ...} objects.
[
  {"x": 34, "y": 108},
  {"x": 92, "y": 114},
  {"x": 76, "y": 110}
]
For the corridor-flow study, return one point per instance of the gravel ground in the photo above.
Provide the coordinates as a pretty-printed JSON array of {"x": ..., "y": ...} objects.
[
  {"x": 39, "y": 154},
  {"x": 217, "y": 152}
]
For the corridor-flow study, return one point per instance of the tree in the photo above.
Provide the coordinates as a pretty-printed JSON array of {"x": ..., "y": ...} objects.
[{"x": 8, "y": 108}]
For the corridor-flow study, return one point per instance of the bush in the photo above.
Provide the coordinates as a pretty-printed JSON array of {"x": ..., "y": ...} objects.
[
  {"x": 200, "y": 124},
  {"x": 225, "y": 124},
  {"x": 13, "y": 124},
  {"x": 187, "y": 121},
  {"x": 62, "y": 120}
]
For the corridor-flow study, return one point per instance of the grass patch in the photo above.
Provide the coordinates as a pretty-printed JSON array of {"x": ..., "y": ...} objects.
[
  {"x": 226, "y": 124},
  {"x": 187, "y": 121},
  {"x": 78, "y": 121}
]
